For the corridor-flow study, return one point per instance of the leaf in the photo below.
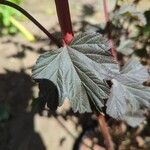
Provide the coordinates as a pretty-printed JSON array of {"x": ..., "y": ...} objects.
[
  {"x": 22, "y": 29},
  {"x": 127, "y": 93},
  {"x": 116, "y": 104},
  {"x": 6, "y": 13},
  {"x": 79, "y": 70},
  {"x": 16, "y": 1},
  {"x": 130, "y": 11},
  {"x": 134, "y": 71},
  {"x": 6, "y": 17},
  {"x": 146, "y": 30},
  {"x": 134, "y": 119},
  {"x": 126, "y": 46}
]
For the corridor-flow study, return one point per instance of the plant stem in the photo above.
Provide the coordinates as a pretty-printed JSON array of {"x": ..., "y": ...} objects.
[
  {"x": 13, "y": 5},
  {"x": 105, "y": 131},
  {"x": 62, "y": 7},
  {"x": 22, "y": 29},
  {"x": 105, "y": 5},
  {"x": 113, "y": 49}
]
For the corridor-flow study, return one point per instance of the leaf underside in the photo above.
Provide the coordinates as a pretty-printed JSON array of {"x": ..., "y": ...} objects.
[{"x": 79, "y": 71}]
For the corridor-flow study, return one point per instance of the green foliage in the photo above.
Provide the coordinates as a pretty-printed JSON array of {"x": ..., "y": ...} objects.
[
  {"x": 9, "y": 23},
  {"x": 5, "y": 17}
]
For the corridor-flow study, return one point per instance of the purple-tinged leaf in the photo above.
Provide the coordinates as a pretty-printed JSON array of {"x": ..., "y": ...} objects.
[{"x": 79, "y": 70}]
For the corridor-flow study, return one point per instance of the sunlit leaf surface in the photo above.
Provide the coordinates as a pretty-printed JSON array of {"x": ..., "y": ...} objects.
[{"x": 79, "y": 70}]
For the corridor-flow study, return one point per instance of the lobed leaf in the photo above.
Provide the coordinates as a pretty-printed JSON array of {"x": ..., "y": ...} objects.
[
  {"x": 134, "y": 71},
  {"x": 79, "y": 70},
  {"x": 127, "y": 93}
]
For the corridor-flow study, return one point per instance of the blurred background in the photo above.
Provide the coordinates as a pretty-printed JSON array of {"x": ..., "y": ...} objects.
[{"x": 21, "y": 42}]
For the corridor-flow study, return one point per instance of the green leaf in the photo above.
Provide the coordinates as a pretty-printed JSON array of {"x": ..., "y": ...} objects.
[
  {"x": 146, "y": 30},
  {"x": 6, "y": 16},
  {"x": 79, "y": 70},
  {"x": 127, "y": 93},
  {"x": 12, "y": 30}
]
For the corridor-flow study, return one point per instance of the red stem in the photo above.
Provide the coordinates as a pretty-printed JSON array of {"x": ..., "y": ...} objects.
[
  {"x": 106, "y": 10},
  {"x": 105, "y": 131},
  {"x": 113, "y": 49},
  {"x": 62, "y": 7}
]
